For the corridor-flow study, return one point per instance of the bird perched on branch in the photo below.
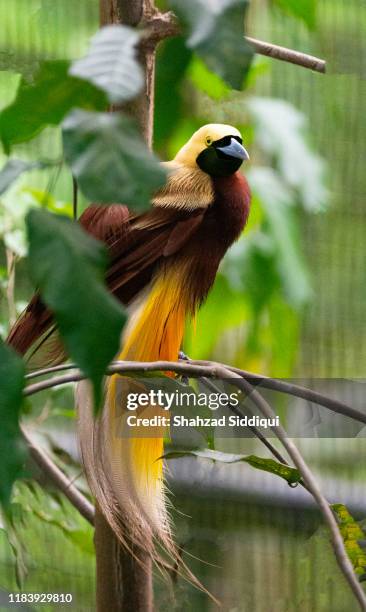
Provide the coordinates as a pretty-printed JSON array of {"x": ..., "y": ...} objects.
[{"x": 162, "y": 266}]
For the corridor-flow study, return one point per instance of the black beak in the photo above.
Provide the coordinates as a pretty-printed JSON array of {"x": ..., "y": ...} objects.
[{"x": 234, "y": 149}]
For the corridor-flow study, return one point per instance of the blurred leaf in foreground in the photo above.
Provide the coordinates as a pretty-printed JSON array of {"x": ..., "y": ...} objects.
[
  {"x": 281, "y": 132},
  {"x": 110, "y": 160},
  {"x": 46, "y": 102},
  {"x": 172, "y": 62},
  {"x": 301, "y": 9},
  {"x": 216, "y": 34},
  {"x": 12, "y": 170},
  {"x": 290, "y": 474},
  {"x": 276, "y": 201},
  {"x": 67, "y": 266},
  {"x": 11, "y": 443},
  {"x": 111, "y": 63}
]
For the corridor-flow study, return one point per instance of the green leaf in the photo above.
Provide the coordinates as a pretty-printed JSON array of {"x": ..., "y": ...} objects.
[
  {"x": 37, "y": 516},
  {"x": 276, "y": 200},
  {"x": 352, "y": 534},
  {"x": 46, "y": 102},
  {"x": 111, "y": 63},
  {"x": 15, "y": 515},
  {"x": 301, "y": 9},
  {"x": 280, "y": 131},
  {"x": 110, "y": 160},
  {"x": 12, "y": 170},
  {"x": 290, "y": 474},
  {"x": 13, "y": 454},
  {"x": 67, "y": 265},
  {"x": 53, "y": 509},
  {"x": 216, "y": 34},
  {"x": 171, "y": 66},
  {"x": 206, "y": 81}
]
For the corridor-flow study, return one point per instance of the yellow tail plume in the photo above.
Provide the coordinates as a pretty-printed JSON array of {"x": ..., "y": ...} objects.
[{"x": 126, "y": 473}]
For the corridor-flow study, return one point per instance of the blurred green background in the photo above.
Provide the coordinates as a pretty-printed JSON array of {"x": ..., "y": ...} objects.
[{"x": 288, "y": 301}]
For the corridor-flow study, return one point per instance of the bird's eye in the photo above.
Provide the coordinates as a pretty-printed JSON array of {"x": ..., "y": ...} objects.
[{"x": 208, "y": 141}]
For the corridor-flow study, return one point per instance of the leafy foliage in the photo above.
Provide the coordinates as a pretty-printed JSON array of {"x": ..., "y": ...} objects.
[
  {"x": 14, "y": 206},
  {"x": 110, "y": 160},
  {"x": 280, "y": 132},
  {"x": 11, "y": 443},
  {"x": 301, "y": 9},
  {"x": 43, "y": 523},
  {"x": 352, "y": 534},
  {"x": 46, "y": 102},
  {"x": 12, "y": 170},
  {"x": 280, "y": 219},
  {"x": 291, "y": 475},
  {"x": 67, "y": 265},
  {"x": 54, "y": 509},
  {"x": 173, "y": 61},
  {"x": 216, "y": 34},
  {"x": 111, "y": 63}
]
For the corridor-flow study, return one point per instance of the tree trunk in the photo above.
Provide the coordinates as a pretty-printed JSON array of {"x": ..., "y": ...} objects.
[
  {"x": 134, "y": 12},
  {"x": 124, "y": 580}
]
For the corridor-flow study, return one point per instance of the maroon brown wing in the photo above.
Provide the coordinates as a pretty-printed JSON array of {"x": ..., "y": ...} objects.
[
  {"x": 136, "y": 244},
  {"x": 149, "y": 239}
]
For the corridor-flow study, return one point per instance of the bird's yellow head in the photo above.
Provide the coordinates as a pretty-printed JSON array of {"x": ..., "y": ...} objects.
[{"x": 215, "y": 148}]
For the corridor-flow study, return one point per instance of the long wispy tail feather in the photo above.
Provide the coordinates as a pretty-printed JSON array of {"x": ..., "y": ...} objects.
[{"x": 125, "y": 470}]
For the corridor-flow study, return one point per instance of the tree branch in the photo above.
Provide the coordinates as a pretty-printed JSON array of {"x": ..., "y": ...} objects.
[
  {"x": 163, "y": 25},
  {"x": 311, "y": 484},
  {"x": 51, "y": 470},
  {"x": 239, "y": 379},
  {"x": 124, "y": 574},
  {"x": 288, "y": 55},
  {"x": 238, "y": 411},
  {"x": 202, "y": 368},
  {"x": 296, "y": 390}
]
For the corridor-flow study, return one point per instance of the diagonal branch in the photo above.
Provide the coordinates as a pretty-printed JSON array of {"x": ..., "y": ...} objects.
[
  {"x": 288, "y": 55},
  {"x": 56, "y": 475},
  {"x": 310, "y": 482},
  {"x": 238, "y": 411}
]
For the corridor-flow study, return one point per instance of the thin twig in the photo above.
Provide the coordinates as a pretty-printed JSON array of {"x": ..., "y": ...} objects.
[
  {"x": 309, "y": 480},
  {"x": 10, "y": 264},
  {"x": 288, "y": 55},
  {"x": 238, "y": 411},
  {"x": 56, "y": 475},
  {"x": 208, "y": 368},
  {"x": 74, "y": 198}
]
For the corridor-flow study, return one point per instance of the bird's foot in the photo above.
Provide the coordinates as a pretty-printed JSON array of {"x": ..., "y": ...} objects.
[{"x": 183, "y": 357}]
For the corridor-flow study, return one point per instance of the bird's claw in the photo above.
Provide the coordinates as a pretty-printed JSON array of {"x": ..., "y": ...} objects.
[{"x": 183, "y": 357}]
